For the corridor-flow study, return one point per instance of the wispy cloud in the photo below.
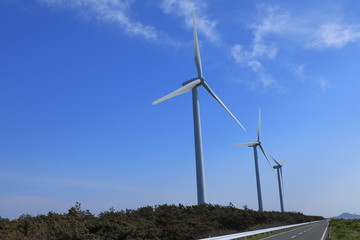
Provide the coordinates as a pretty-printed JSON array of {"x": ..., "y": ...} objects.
[
  {"x": 114, "y": 11},
  {"x": 184, "y": 8},
  {"x": 323, "y": 84},
  {"x": 308, "y": 31},
  {"x": 274, "y": 28},
  {"x": 265, "y": 79},
  {"x": 299, "y": 71},
  {"x": 335, "y": 35},
  {"x": 269, "y": 22}
]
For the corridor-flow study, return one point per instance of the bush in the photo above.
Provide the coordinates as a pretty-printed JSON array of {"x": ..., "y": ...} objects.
[{"x": 158, "y": 222}]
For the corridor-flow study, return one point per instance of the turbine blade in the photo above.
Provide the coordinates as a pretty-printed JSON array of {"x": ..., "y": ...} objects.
[
  {"x": 274, "y": 159},
  {"x": 262, "y": 149},
  {"x": 249, "y": 144},
  {"x": 285, "y": 161},
  {"x": 179, "y": 91},
  {"x": 196, "y": 49},
  {"x": 259, "y": 126},
  {"x": 207, "y": 87}
]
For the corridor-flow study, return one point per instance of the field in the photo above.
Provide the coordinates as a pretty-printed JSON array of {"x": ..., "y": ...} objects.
[{"x": 344, "y": 229}]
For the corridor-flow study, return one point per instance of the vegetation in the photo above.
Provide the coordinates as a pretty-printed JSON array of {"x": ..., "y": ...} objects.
[
  {"x": 159, "y": 222},
  {"x": 344, "y": 229}
]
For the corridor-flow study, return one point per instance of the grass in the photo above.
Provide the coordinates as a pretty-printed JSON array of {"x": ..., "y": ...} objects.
[{"x": 344, "y": 229}]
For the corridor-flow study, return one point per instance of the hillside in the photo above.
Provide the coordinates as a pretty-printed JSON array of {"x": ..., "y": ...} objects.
[
  {"x": 348, "y": 216},
  {"x": 158, "y": 222}
]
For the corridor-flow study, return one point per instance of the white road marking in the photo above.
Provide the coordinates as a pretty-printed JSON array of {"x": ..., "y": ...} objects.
[
  {"x": 293, "y": 236},
  {"x": 323, "y": 236}
]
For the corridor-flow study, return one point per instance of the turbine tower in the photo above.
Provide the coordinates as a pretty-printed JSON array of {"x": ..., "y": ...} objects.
[
  {"x": 278, "y": 168},
  {"x": 254, "y": 145},
  {"x": 193, "y": 85}
]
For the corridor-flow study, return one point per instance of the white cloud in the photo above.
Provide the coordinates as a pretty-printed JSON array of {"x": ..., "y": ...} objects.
[
  {"x": 274, "y": 27},
  {"x": 114, "y": 11},
  {"x": 322, "y": 84},
  {"x": 184, "y": 8},
  {"x": 334, "y": 35},
  {"x": 255, "y": 66},
  {"x": 264, "y": 78},
  {"x": 319, "y": 81},
  {"x": 270, "y": 22},
  {"x": 299, "y": 71},
  {"x": 238, "y": 53},
  {"x": 310, "y": 31}
]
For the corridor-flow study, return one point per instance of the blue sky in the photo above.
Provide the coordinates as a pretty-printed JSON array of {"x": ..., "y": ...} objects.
[{"x": 77, "y": 79}]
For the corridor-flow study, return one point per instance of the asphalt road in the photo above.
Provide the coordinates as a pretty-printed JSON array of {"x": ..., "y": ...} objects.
[{"x": 313, "y": 231}]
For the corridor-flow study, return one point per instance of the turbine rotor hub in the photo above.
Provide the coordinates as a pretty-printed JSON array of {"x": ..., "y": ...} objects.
[{"x": 191, "y": 80}]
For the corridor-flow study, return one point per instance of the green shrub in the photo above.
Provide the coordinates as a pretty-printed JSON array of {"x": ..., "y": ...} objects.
[{"x": 158, "y": 222}]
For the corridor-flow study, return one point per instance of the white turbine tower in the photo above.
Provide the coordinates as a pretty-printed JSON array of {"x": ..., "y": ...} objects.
[
  {"x": 255, "y": 145},
  {"x": 278, "y": 168},
  {"x": 193, "y": 84}
]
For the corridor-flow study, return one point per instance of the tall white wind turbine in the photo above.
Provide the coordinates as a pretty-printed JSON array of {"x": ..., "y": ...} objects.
[
  {"x": 278, "y": 168},
  {"x": 193, "y": 84},
  {"x": 254, "y": 145}
]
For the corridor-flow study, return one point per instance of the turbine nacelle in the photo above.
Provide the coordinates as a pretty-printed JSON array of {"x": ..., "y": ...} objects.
[
  {"x": 254, "y": 144},
  {"x": 195, "y": 82},
  {"x": 278, "y": 167},
  {"x": 193, "y": 85},
  {"x": 192, "y": 80},
  {"x": 258, "y": 142},
  {"x": 249, "y": 144}
]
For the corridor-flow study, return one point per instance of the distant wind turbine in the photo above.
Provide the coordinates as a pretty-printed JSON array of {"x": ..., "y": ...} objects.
[
  {"x": 278, "y": 168},
  {"x": 254, "y": 145},
  {"x": 193, "y": 84}
]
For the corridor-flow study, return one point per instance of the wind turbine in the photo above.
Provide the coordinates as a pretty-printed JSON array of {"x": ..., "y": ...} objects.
[
  {"x": 193, "y": 84},
  {"x": 255, "y": 145},
  {"x": 278, "y": 168}
]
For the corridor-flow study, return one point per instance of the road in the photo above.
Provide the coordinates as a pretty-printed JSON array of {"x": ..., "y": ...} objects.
[{"x": 313, "y": 231}]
